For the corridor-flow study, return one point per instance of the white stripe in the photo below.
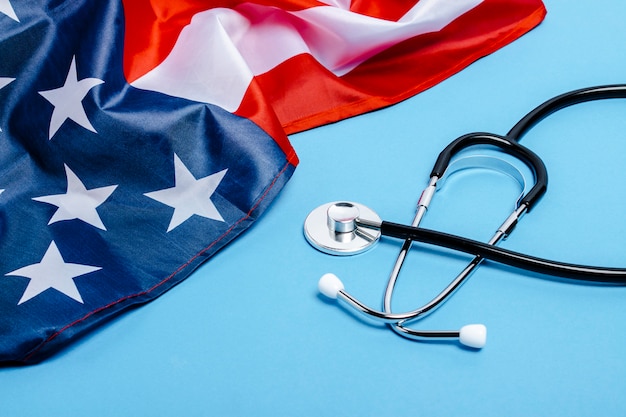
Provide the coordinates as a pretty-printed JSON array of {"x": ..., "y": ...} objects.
[
  {"x": 204, "y": 64},
  {"x": 218, "y": 53}
]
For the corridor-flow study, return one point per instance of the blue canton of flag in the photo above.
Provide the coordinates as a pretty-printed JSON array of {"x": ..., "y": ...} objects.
[{"x": 110, "y": 195}]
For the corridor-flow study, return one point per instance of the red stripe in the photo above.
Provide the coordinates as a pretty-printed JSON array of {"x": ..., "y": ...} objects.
[
  {"x": 305, "y": 95},
  {"x": 388, "y": 10},
  {"x": 255, "y": 107}
]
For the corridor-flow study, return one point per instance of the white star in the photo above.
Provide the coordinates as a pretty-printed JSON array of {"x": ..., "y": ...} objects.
[
  {"x": 52, "y": 272},
  {"x": 78, "y": 202},
  {"x": 67, "y": 100},
  {"x": 189, "y": 196},
  {"x": 4, "y": 81},
  {"x": 7, "y": 9}
]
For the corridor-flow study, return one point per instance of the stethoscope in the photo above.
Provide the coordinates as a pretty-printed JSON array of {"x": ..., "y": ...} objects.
[{"x": 348, "y": 228}]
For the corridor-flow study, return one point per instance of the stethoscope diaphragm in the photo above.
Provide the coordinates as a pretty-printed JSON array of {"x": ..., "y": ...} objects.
[{"x": 331, "y": 228}]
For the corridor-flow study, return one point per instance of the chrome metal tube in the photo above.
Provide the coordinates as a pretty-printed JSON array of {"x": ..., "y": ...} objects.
[
  {"x": 399, "y": 327},
  {"x": 371, "y": 313}
]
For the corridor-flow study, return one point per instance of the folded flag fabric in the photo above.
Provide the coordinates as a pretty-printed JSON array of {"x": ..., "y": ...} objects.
[{"x": 141, "y": 136}]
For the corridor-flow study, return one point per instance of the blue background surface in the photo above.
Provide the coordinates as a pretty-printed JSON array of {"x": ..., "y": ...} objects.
[{"x": 247, "y": 334}]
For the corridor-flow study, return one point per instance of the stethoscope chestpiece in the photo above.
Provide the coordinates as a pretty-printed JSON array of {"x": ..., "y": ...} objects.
[{"x": 332, "y": 228}]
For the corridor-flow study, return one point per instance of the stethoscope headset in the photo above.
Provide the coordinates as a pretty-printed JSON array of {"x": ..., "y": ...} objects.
[{"x": 347, "y": 228}]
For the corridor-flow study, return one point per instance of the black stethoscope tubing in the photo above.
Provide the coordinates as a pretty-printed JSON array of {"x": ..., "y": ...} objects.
[
  {"x": 602, "y": 92},
  {"x": 504, "y": 256}
]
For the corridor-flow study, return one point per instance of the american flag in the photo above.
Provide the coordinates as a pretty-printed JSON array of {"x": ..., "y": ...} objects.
[{"x": 139, "y": 137}]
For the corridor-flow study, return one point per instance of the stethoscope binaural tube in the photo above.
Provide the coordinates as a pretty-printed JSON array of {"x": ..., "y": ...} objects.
[
  {"x": 505, "y": 144},
  {"x": 471, "y": 335},
  {"x": 440, "y": 168}
]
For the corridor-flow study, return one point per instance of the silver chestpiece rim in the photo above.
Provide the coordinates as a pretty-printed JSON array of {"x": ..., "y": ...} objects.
[{"x": 332, "y": 228}]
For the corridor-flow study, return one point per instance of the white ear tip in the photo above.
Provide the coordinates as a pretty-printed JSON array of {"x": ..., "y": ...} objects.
[
  {"x": 330, "y": 285},
  {"x": 473, "y": 335}
]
